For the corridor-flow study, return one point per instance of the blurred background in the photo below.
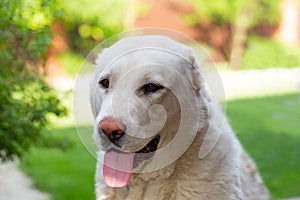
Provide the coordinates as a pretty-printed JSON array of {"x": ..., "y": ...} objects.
[{"x": 254, "y": 44}]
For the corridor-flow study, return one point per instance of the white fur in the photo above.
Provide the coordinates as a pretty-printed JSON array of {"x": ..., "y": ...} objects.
[{"x": 226, "y": 172}]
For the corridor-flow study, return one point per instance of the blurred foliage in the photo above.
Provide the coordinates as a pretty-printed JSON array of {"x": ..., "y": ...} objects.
[
  {"x": 235, "y": 18},
  {"x": 26, "y": 100},
  {"x": 87, "y": 22},
  {"x": 228, "y": 11},
  {"x": 71, "y": 62},
  {"x": 267, "y": 53}
]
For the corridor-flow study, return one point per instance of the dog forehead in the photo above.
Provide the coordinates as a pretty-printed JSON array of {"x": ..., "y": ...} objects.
[
  {"x": 145, "y": 66},
  {"x": 149, "y": 41},
  {"x": 142, "y": 57},
  {"x": 143, "y": 44}
]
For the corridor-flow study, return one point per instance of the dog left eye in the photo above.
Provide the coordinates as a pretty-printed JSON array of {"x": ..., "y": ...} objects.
[
  {"x": 152, "y": 87},
  {"x": 104, "y": 83}
]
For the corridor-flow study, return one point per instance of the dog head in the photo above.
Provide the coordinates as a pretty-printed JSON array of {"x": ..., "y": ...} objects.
[{"x": 141, "y": 89}]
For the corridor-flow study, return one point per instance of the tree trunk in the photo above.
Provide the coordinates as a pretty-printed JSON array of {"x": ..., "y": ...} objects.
[
  {"x": 238, "y": 46},
  {"x": 239, "y": 40}
]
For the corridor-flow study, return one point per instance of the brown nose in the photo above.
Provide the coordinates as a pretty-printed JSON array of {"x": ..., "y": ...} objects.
[{"x": 112, "y": 128}]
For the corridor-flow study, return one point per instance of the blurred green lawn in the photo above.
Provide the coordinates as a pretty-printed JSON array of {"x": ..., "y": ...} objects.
[
  {"x": 67, "y": 174},
  {"x": 268, "y": 127}
]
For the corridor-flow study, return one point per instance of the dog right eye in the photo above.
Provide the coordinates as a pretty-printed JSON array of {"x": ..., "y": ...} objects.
[
  {"x": 151, "y": 88},
  {"x": 104, "y": 83}
]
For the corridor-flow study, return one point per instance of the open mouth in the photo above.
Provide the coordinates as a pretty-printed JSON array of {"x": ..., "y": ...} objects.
[
  {"x": 151, "y": 146},
  {"x": 118, "y": 166},
  {"x": 147, "y": 152}
]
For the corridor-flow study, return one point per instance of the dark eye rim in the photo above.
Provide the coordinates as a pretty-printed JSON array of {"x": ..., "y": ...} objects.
[
  {"x": 104, "y": 83},
  {"x": 152, "y": 87}
]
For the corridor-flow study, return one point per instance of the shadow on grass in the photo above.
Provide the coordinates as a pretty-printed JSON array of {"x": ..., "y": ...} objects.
[{"x": 269, "y": 129}]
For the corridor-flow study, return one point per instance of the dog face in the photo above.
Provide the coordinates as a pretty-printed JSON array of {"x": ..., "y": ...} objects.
[{"x": 138, "y": 94}]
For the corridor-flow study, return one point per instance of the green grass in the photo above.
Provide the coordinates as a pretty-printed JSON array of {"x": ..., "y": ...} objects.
[
  {"x": 65, "y": 174},
  {"x": 269, "y": 129}
]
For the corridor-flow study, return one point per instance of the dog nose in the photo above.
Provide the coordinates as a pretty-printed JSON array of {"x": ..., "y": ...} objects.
[{"x": 112, "y": 128}]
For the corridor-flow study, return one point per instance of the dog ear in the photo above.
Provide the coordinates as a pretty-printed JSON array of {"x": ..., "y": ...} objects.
[
  {"x": 95, "y": 100},
  {"x": 198, "y": 81},
  {"x": 200, "y": 87},
  {"x": 196, "y": 76},
  {"x": 212, "y": 120}
]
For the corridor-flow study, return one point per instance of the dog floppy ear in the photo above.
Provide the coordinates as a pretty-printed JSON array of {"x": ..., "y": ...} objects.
[
  {"x": 198, "y": 83},
  {"x": 95, "y": 100},
  {"x": 196, "y": 76},
  {"x": 101, "y": 62},
  {"x": 212, "y": 120}
]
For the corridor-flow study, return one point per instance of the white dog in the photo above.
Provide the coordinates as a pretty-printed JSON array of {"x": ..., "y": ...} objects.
[{"x": 160, "y": 136}]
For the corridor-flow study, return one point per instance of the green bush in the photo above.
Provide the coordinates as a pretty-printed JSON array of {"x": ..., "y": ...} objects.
[
  {"x": 25, "y": 98},
  {"x": 266, "y": 53},
  {"x": 70, "y": 61},
  {"x": 228, "y": 11},
  {"x": 88, "y": 22}
]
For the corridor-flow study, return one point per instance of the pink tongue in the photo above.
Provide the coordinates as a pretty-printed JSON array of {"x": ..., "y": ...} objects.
[{"x": 117, "y": 168}]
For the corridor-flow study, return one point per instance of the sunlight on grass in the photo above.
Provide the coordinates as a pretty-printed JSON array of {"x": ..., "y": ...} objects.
[{"x": 269, "y": 130}]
